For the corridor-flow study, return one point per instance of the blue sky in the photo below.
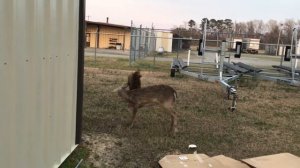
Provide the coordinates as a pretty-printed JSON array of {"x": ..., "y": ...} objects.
[{"x": 169, "y": 13}]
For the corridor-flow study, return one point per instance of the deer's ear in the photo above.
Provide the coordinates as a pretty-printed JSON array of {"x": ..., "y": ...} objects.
[
  {"x": 125, "y": 85},
  {"x": 137, "y": 73},
  {"x": 116, "y": 89}
]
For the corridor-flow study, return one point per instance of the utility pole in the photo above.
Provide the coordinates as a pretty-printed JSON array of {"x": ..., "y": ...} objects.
[{"x": 280, "y": 29}]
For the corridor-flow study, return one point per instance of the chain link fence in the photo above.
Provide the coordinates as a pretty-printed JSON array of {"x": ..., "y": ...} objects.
[
  {"x": 138, "y": 43},
  {"x": 142, "y": 43}
]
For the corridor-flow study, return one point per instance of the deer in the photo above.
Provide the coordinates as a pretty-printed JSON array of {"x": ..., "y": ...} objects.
[
  {"x": 137, "y": 97},
  {"x": 134, "y": 80}
]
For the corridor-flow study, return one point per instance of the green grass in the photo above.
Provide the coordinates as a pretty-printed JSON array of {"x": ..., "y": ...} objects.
[
  {"x": 165, "y": 54},
  {"x": 79, "y": 153},
  {"x": 121, "y": 63},
  {"x": 267, "y": 119}
]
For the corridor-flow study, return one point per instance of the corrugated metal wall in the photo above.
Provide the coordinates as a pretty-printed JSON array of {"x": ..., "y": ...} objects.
[{"x": 38, "y": 75}]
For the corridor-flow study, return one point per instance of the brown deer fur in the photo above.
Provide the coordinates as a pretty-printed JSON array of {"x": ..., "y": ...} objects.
[
  {"x": 157, "y": 95},
  {"x": 134, "y": 81}
]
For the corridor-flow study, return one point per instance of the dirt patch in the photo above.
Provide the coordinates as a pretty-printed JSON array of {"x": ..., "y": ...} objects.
[{"x": 105, "y": 150}]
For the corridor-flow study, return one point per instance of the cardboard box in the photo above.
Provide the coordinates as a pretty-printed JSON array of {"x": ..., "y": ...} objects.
[
  {"x": 199, "y": 161},
  {"x": 229, "y": 162},
  {"x": 281, "y": 160},
  {"x": 181, "y": 161}
]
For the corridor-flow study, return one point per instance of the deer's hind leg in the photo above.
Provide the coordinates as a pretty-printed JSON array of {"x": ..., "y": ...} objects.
[
  {"x": 169, "y": 108},
  {"x": 133, "y": 118},
  {"x": 174, "y": 121}
]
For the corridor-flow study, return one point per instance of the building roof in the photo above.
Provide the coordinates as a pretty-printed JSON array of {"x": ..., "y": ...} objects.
[{"x": 107, "y": 24}]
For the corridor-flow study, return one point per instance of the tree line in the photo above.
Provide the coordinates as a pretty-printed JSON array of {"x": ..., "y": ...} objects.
[{"x": 267, "y": 32}]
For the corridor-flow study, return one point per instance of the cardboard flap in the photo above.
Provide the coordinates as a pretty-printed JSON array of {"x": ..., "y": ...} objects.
[
  {"x": 190, "y": 161},
  {"x": 229, "y": 162},
  {"x": 179, "y": 161},
  {"x": 282, "y": 160}
]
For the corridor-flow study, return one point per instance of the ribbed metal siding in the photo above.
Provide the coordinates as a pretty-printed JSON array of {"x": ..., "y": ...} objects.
[{"x": 38, "y": 81}]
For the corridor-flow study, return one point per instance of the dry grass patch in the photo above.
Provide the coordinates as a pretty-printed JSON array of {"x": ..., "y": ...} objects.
[{"x": 267, "y": 120}]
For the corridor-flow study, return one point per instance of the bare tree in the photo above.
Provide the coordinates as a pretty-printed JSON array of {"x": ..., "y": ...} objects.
[
  {"x": 185, "y": 23},
  {"x": 259, "y": 27},
  {"x": 241, "y": 28},
  {"x": 250, "y": 27},
  {"x": 288, "y": 25},
  {"x": 273, "y": 31},
  {"x": 267, "y": 31}
]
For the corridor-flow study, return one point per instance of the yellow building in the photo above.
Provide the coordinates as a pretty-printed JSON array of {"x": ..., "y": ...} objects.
[
  {"x": 164, "y": 41},
  {"x": 106, "y": 35}
]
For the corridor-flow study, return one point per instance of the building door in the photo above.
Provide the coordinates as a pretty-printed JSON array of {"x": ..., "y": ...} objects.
[{"x": 88, "y": 39}]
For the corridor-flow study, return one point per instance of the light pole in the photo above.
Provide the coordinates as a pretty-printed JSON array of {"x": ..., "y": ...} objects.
[{"x": 280, "y": 29}]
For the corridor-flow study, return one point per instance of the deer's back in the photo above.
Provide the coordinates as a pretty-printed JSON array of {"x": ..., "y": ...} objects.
[{"x": 155, "y": 93}]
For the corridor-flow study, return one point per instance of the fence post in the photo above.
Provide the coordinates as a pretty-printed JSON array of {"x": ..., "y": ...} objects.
[
  {"x": 134, "y": 43},
  {"x": 95, "y": 54},
  {"x": 131, "y": 45},
  {"x": 146, "y": 43},
  {"x": 178, "y": 46},
  {"x": 140, "y": 38},
  {"x": 222, "y": 55}
]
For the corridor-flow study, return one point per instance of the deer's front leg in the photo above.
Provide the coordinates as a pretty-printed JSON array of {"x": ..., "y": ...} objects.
[{"x": 174, "y": 122}]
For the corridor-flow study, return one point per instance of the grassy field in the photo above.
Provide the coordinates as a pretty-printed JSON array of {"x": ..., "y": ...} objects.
[{"x": 267, "y": 119}]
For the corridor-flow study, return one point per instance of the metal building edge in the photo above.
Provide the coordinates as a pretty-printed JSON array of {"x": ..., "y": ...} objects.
[
  {"x": 80, "y": 78},
  {"x": 80, "y": 73}
]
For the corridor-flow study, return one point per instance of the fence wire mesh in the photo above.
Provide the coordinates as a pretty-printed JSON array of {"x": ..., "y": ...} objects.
[
  {"x": 142, "y": 42},
  {"x": 139, "y": 43}
]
